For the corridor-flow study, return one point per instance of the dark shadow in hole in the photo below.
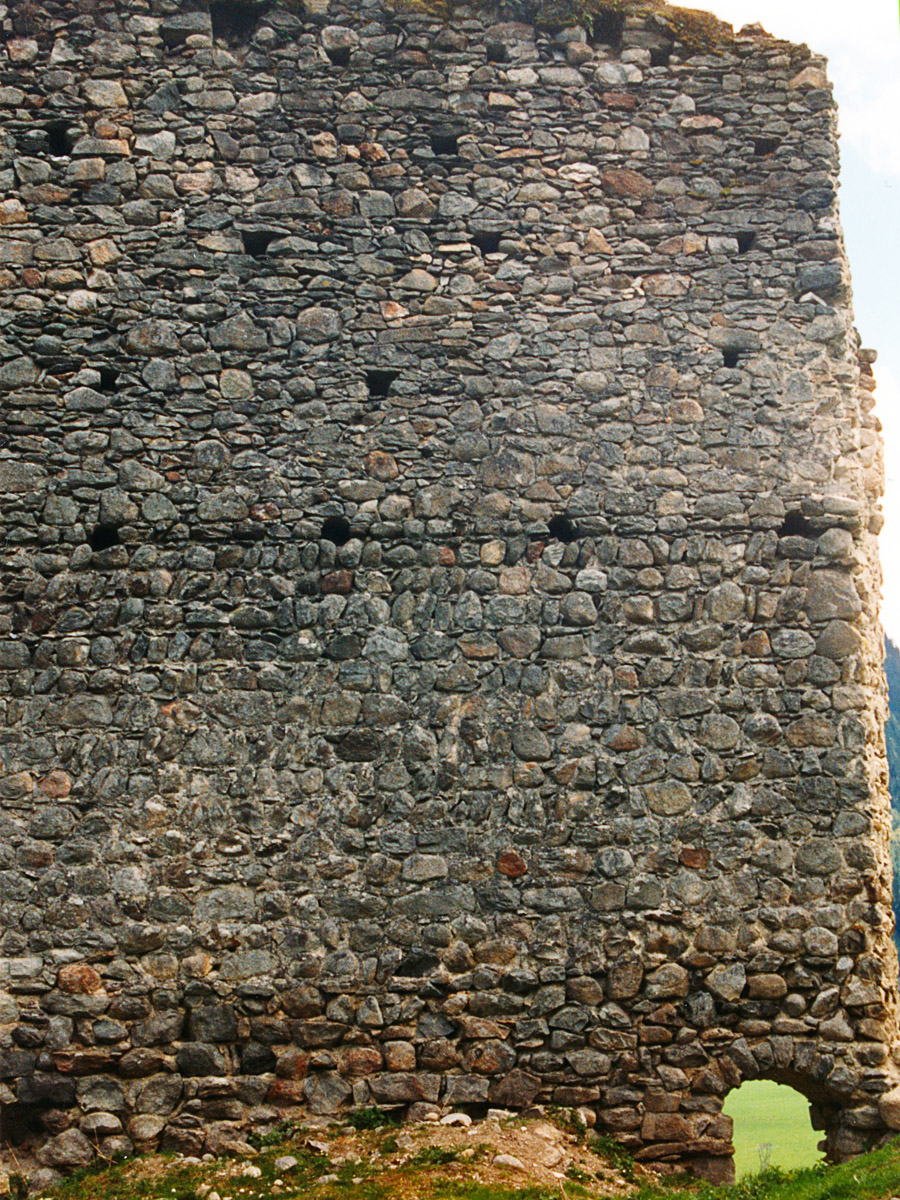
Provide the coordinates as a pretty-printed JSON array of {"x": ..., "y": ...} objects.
[
  {"x": 660, "y": 55},
  {"x": 59, "y": 140},
  {"x": 497, "y": 52},
  {"x": 487, "y": 243},
  {"x": 764, "y": 146},
  {"x": 417, "y": 962},
  {"x": 235, "y": 21},
  {"x": 339, "y": 56},
  {"x": 102, "y": 537},
  {"x": 562, "y": 529},
  {"x": 796, "y": 525},
  {"x": 444, "y": 142},
  {"x": 108, "y": 379},
  {"x": 730, "y": 358},
  {"x": 746, "y": 241},
  {"x": 337, "y": 530},
  {"x": 20, "y": 1123},
  {"x": 256, "y": 241},
  {"x": 379, "y": 381},
  {"x": 427, "y": 451},
  {"x": 608, "y": 26}
]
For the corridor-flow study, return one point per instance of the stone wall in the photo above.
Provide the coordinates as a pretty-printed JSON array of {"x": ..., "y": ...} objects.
[{"x": 439, "y": 637}]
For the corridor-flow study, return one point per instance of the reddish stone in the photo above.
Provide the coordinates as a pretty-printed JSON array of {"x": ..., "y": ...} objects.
[
  {"x": 654, "y": 1035},
  {"x": 694, "y": 856},
  {"x": 85, "y": 1062},
  {"x": 79, "y": 979},
  {"x": 292, "y": 1064},
  {"x": 619, "y": 100},
  {"x": 446, "y": 556},
  {"x": 286, "y": 1091},
  {"x": 400, "y": 1056},
  {"x": 37, "y": 856},
  {"x": 373, "y": 152},
  {"x": 625, "y": 737},
  {"x": 511, "y": 865},
  {"x": 621, "y": 181},
  {"x": 141, "y": 1062},
  {"x": 340, "y": 582},
  {"x": 56, "y": 785},
  {"x": 489, "y": 1057},
  {"x": 382, "y": 466},
  {"x": 626, "y": 677},
  {"x": 360, "y": 1060}
]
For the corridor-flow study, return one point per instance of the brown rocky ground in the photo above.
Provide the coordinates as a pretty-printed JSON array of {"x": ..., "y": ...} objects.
[{"x": 500, "y": 1153}]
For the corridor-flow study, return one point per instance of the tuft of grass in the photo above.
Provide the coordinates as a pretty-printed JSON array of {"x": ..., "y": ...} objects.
[
  {"x": 457, "y": 1189},
  {"x": 616, "y": 1155},
  {"x": 273, "y": 1137},
  {"x": 873, "y": 1176},
  {"x": 370, "y": 1118},
  {"x": 434, "y": 1156},
  {"x": 568, "y": 1120},
  {"x": 577, "y": 1174}
]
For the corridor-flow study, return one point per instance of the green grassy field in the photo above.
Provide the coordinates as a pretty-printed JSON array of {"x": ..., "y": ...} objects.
[{"x": 771, "y": 1128}]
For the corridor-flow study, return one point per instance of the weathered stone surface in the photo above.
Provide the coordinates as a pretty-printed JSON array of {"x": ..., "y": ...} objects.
[
  {"x": 438, "y": 640},
  {"x": 67, "y": 1149}
]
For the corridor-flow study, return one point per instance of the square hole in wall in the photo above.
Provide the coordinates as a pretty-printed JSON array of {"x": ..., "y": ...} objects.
[
  {"x": 59, "y": 140},
  {"x": 607, "y": 27},
  {"x": 339, "y": 56},
  {"x": 336, "y": 530},
  {"x": 235, "y": 21},
  {"x": 378, "y": 381},
  {"x": 256, "y": 241},
  {"x": 444, "y": 142},
  {"x": 487, "y": 241},
  {"x": 109, "y": 379},
  {"x": 562, "y": 528},
  {"x": 103, "y": 537},
  {"x": 764, "y": 146}
]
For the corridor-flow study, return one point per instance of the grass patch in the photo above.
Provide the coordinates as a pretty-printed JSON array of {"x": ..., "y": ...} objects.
[
  {"x": 434, "y": 1156},
  {"x": 274, "y": 1137},
  {"x": 873, "y": 1176},
  {"x": 771, "y": 1128},
  {"x": 370, "y": 1118},
  {"x": 455, "y": 1189},
  {"x": 615, "y": 1155}
]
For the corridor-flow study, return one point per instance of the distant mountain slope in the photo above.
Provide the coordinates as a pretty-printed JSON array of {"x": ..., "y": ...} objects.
[{"x": 892, "y": 739}]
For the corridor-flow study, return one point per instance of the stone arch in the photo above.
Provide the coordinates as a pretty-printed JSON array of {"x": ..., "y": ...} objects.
[
  {"x": 773, "y": 1127},
  {"x": 848, "y": 1117}
]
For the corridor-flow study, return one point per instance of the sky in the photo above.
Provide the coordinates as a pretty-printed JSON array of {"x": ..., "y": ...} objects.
[{"x": 862, "y": 41}]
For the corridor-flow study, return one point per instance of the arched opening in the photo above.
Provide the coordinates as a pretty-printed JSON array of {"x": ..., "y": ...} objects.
[
  {"x": 773, "y": 1127},
  {"x": 562, "y": 528},
  {"x": 59, "y": 140},
  {"x": 337, "y": 530},
  {"x": 103, "y": 537}
]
